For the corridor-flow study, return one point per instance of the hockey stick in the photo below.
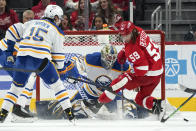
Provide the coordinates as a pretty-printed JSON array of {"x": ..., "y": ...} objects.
[
  {"x": 19, "y": 70},
  {"x": 91, "y": 82},
  {"x": 165, "y": 119},
  {"x": 186, "y": 89},
  {"x": 123, "y": 109}
]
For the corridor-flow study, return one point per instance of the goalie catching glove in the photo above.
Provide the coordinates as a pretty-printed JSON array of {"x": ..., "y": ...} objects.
[{"x": 69, "y": 69}]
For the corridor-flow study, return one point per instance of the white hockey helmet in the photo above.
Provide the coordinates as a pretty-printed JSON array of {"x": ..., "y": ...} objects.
[
  {"x": 108, "y": 56},
  {"x": 53, "y": 10}
]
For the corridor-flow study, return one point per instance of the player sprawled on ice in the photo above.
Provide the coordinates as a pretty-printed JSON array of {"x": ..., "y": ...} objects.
[
  {"x": 7, "y": 59},
  {"x": 42, "y": 40},
  {"x": 100, "y": 67},
  {"x": 140, "y": 50}
]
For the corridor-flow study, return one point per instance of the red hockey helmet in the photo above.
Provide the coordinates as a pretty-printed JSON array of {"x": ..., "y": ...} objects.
[{"x": 126, "y": 27}]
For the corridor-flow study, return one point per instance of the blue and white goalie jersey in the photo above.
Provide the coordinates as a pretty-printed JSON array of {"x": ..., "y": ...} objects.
[{"x": 96, "y": 72}]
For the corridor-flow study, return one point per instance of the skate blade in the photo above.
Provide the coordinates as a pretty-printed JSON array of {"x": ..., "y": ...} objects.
[
  {"x": 163, "y": 113},
  {"x": 17, "y": 119},
  {"x": 73, "y": 121}
]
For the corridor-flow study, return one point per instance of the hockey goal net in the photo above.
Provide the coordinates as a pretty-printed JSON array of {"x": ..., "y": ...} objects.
[{"x": 85, "y": 42}]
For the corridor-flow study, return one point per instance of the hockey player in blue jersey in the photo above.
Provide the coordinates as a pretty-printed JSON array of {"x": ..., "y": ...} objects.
[
  {"x": 42, "y": 42},
  {"x": 7, "y": 59}
]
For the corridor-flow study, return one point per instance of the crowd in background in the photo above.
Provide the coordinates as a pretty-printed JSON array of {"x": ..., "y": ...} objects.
[{"x": 110, "y": 12}]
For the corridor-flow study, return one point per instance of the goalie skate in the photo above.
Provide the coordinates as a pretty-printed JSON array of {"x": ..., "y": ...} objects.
[{"x": 20, "y": 115}]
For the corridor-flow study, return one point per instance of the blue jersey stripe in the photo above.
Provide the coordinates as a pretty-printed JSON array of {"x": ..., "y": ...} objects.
[
  {"x": 36, "y": 48},
  {"x": 9, "y": 101},
  {"x": 59, "y": 92},
  {"x": 12, "y": 34},
  {"x": 16, "y": 31}
]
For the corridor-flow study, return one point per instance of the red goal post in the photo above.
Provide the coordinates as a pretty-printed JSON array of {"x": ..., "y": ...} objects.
[{"x": 84, "y": 42}]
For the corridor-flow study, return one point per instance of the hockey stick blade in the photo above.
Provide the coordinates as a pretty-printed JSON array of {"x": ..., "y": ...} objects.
[
  {"x": 186, "y": 89},
  {"x": 165, "y": 119},
  {"x": 88, "y": 81},
  {"x": 19, "y": 70}
]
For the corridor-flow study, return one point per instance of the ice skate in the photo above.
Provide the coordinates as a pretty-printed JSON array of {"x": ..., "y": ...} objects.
[
  {"x": 69, "y": 114},
  {"x": 3, "y": 115},
  {"x": 21, "y": 115},
  {"x": 159, "y": 108}
]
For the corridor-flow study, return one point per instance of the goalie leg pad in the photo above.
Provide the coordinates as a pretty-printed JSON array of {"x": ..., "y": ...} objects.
[{"x": 49, "y": 110}]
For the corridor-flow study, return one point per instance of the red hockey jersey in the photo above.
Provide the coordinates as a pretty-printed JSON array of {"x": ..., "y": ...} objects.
[{"x": 145, "y": 55}]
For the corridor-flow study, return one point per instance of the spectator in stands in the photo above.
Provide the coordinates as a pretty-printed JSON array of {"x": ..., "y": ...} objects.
[
  {"x": 111, "y": 15},
  {"x": 66, "y": 23},
  {"x": 7, "y": 16},
  {"x": 39, "y": 9},
  {"x": 191, "y": 35},
  {"x": 73, "y": 4},
  {"x": 98, "y": 22},
  {"x": 28, "y": 15},
  {"x": 122, "y": 6},
  {"x": 78, "y": 17}
]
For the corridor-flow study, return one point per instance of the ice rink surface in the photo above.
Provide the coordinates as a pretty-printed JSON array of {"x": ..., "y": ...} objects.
[{"x": 175, "y": 123}]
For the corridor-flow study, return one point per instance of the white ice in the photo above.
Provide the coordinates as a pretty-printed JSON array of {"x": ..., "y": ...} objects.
[{"x": 175, "y": 123}]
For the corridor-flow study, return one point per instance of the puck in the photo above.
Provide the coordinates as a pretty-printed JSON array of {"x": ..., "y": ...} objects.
[{"x": 186, "y": 120}]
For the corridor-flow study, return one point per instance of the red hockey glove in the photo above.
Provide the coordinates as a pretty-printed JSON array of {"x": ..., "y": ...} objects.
[
  {"x": 106, "y": 97},
  {"x": 119, "y": 83},
  {"x": 121, "y": 57}
]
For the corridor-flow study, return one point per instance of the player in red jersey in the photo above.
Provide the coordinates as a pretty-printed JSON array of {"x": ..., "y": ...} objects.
[{"x": 144, "y": 53}]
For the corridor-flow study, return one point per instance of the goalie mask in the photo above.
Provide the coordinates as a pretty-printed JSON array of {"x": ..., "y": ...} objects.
[{"x": 108, "y": 56}]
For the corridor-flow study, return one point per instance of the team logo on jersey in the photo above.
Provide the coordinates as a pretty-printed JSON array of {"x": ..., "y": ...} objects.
[
  {"x": 174, "y": 67},
  {"x": 193, "y": 61}
]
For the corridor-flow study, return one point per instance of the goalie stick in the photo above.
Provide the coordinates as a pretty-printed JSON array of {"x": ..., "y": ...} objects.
[
  {"x": 19, "y": 70},
  {"x": 186, "y": 89},
  {"x": 88, "y": 81},
  {"x": 165, "y": 119}
]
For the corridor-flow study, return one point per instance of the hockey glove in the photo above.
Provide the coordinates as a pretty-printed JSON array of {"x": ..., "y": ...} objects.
[
  {"x": 10, "y": 59},
  {"x": 106, "y": 97},
  {"x": 69, "y": 70},
  {"x": 121, "y": 58}
]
